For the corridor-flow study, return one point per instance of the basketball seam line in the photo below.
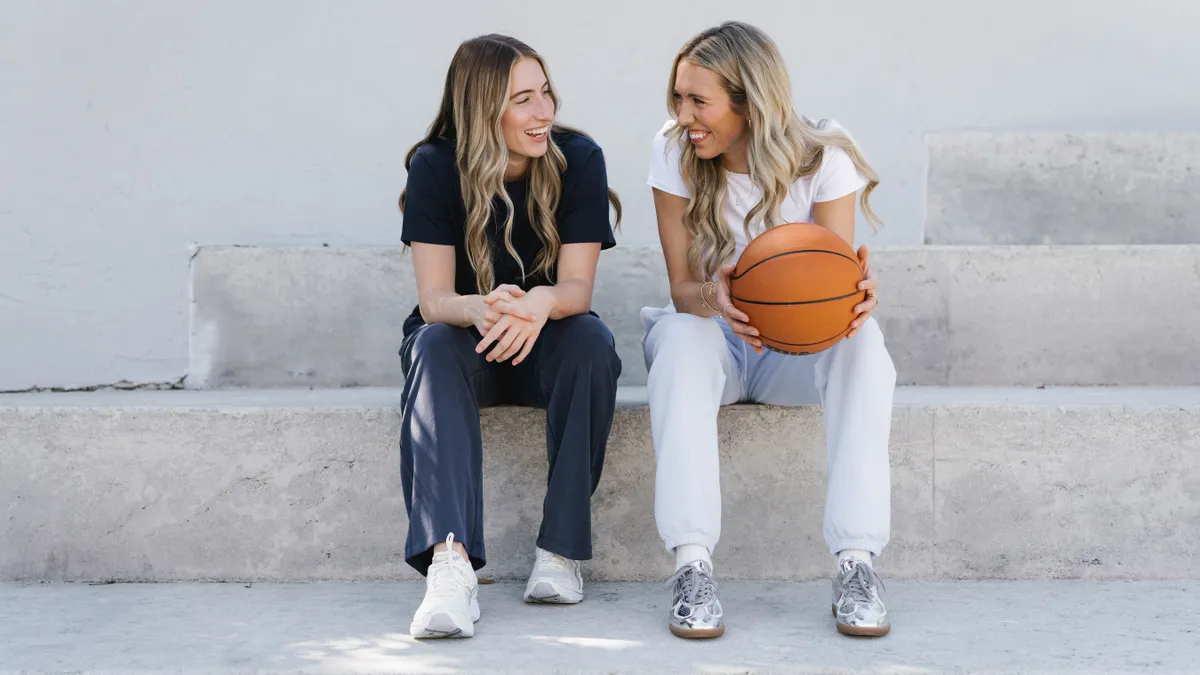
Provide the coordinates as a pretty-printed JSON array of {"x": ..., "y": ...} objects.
[
  {"x": 795, "y": 302},
  {"x": 804, "y": 344},
  {"x": 780, "y": 255}
]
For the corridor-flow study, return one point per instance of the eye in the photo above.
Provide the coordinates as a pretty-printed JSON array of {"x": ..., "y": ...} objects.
[
  {"x": 698, "y": 101},
  {"x": 523, "y": 101}
]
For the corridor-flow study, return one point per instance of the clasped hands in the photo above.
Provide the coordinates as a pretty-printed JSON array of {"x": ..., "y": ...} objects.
[{"x": 510, "y": 321}]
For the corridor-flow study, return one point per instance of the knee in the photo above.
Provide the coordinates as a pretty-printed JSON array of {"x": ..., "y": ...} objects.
[
  {"x": 684, "y": 340},
  {"x": 869, "y": 345},
  {"x": 585, "y": 342},
  {"x": 438, "y": 345}
]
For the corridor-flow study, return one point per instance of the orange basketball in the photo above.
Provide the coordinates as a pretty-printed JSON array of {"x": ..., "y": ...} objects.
[{"x": 798, "y": 283}]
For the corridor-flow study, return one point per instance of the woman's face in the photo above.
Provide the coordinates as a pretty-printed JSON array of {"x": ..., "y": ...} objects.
[
  {"x": 704, "y": 108},
  {"x": 529, "y": 112}
]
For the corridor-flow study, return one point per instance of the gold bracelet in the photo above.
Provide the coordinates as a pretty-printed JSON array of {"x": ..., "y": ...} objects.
[{"x": 704, "y": 300}]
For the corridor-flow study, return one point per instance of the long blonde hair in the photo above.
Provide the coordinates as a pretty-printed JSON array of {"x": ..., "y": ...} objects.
[
  {"x": 783, "y": 146},
  {"x": 473, "y": 102}
]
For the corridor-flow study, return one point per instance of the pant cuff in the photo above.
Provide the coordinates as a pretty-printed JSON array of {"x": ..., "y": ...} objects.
[
  {"x": 418, "y": 551},
  {"x": 421, "y": 561},
  {"x": 675, "y": 540},
  {"x": 571, "y": 552},
  {"x": 838, "y": 545}
]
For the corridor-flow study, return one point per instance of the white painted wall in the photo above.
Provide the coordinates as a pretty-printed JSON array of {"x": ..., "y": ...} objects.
[{"x": 130, "y": 129}]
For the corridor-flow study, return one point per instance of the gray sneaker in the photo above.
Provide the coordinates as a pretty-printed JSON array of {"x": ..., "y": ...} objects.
[
  {"x": 695, "y": 610},
  {"x": 857, "y": 608}
]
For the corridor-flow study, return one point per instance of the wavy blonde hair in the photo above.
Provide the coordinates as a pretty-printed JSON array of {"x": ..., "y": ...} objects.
[
  {"x": 783, "y": 146},
  {"x": 473, "y": 103}
]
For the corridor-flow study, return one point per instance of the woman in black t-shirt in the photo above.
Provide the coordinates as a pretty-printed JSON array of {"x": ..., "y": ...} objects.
[{"x": 506, "y": 214}]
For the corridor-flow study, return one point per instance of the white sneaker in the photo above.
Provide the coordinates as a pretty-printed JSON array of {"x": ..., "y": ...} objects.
[
  {"x": 451, "y": 604},
  {"x": 554, "y": 579}
]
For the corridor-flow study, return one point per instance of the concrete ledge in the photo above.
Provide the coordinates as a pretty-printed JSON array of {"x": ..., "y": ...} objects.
[
  {"x": 982, "y": 315},
  {"x": 303, "y": 485},
  {"x": 1051, "y": 188},
  {"x": 328, "y": 317},
  {"x": 1042, "y": 315}
]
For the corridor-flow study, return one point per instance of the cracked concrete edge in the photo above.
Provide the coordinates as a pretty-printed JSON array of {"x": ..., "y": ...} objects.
[{"x": 120, "y": 385}]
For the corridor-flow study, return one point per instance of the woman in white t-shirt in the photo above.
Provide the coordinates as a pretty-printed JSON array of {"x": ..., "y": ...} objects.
[{"x": 737, "y": 159}]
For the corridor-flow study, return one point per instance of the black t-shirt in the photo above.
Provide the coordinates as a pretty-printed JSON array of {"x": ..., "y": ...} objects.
[{"x": 434, "y": 212}]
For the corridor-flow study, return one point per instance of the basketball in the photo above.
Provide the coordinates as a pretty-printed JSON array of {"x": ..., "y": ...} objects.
[{"x": 798, "y": 283}]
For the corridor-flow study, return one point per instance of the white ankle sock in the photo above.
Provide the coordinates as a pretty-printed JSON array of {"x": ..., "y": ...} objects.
[
  {"x": 687, "y": 553},
  {"x": 864, "y": 556}
]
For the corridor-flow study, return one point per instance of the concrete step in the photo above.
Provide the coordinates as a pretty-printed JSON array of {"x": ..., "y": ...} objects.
[
  {"x": 997, "y": 316},
  {"x": 1099, "y": 483},
  {"x": 335, "y": 628},
  {"x": 1059, "y": 188}
]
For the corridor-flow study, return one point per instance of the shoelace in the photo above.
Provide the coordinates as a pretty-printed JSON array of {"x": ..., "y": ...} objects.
[
  {"x": 446, "y": 579},
  {"x": 859, "y": 584},
  {"x": 449, "y": 573},
  {"x": 551, "y": 561},
  {"x": 695, "y": 585}
]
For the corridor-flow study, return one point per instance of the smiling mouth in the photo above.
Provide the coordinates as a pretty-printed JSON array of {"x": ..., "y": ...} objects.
[
  {"x": 538, "y": 133},
  {"x": 698, "y": 136}
]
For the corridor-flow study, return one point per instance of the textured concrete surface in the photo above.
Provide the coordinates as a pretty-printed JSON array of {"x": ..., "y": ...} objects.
[
  {"x": 947, "y": 627},
  {"x": 976, "y": 315},
  {"x": 1039, "y": 315},
  {"x": 333, "y": 317},
  {"x": 1062, "y": 188},
  {"x": 298, "y": 485}
]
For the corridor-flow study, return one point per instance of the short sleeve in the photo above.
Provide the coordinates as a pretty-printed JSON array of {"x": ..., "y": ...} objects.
[
  {"x": 665, "y": 174},
  {"x": 838, "y": 176},
  {"x": 584, "y": 218},
  {"x": 428, "y": 215}
]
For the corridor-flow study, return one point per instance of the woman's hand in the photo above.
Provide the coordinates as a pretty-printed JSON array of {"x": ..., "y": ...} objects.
[
  {"x": 863, "y": 310},
  {"x": 737, "y": 320},
  {"x": 485, "y": 315},
  {"x": 513, "y": 336},
  {"x": 509, "y": 299},
  {"x": 521, "y": 317}
]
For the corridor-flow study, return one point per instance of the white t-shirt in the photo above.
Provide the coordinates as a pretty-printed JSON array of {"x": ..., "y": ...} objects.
[{"x": 836, "y": 178}]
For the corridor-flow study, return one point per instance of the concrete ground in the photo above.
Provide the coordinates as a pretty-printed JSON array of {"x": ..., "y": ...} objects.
[{"x": 960, "y": 627}]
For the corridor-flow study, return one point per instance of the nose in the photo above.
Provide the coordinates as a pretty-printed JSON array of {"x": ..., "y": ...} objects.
[
  {"x": 545, "y": 108},
  {"x": 684, "y": 116}
]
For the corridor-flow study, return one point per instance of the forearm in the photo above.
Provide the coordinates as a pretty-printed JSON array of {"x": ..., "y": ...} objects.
[
  {"x": 686, "y": 297},
  {"x": 566, "y": 298},
  {"x": 448, "y": 307}
]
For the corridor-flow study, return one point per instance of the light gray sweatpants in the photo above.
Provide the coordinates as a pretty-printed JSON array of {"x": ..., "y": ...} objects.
[{"x": 697, "y": 365}]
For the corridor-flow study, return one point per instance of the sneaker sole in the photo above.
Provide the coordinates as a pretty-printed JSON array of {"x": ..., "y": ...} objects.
[
  {"x": 859, "y": 631},
  {"x": 697, "y": 633},
  {"x": 441, "y": 626},
  {"x": 546, "y": 593}
]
